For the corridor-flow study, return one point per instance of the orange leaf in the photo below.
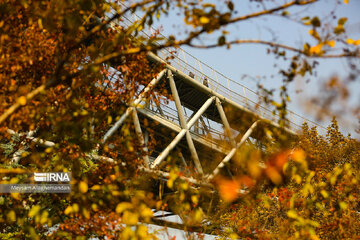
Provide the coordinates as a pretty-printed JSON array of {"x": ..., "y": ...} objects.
[
  {"x": 273, "y": 175},
  {"x": 228, "y": 189}
]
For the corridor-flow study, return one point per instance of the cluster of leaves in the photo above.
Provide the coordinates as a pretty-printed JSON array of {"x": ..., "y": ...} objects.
[
  {"x": 318, "y": 198},
  {"x": 56, "y": 72}
]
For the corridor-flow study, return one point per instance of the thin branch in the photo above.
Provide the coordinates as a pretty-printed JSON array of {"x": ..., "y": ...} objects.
[
  {"x": 101, "y": 26},
  {"x": 195, "y": 34},
  {"x": 265, "y": 12},
  {"x": 14, "y": 107},
  {"x": 91, "y": 34},
  {"x": 273, "y": 44}
]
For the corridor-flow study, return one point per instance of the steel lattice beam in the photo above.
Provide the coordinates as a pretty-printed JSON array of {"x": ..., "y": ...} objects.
[
  {"x": 128, "y": 111},
  {"x": 183, "y": 124},
  {"x": 182, "y": 133},
  {"x": 233, "y": 151}
]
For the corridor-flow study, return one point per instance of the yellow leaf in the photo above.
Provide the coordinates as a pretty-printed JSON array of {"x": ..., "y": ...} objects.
[
  {"x": 357, "y": 42},
  {"x": 184, "y": 185},
  {"x": 84, "y": 112},
  {"x": 324, "y": 194},
  {"x": 123, "y": 206},
  {"x": 44, "y": 217},
  {"x": 333, "y": 179},
  {"x": 297, "y": 179},
  {"x": 140, "y": 27},
  {"x": 146, "y": 212},
  {"x": 48, "y": 150},
  {"x": 266, "y": 204},
  {"x": 198, "y": 216},
  {"x": 273, "y": 174},
  {"x": 204, "y": 20},
  {"x": 34, "y": 210},
  {"x": 331, "y": 43},
  {"x": 182, "y": 196},
  {"x": 127, "y": 233},
  {"x": 233, "y": 236},
  {"x": 316, "y": 49},
  {"x": 11, "y": 216},
  {"x": 343, "y": 205},
  {"x": 130, "y": 218},
  {"x": 86, "y": 213},
  {"x": 109, "y": 119},
  {"x": 292, "y": 214},
  {"x": 194, "y": 199},
  {"x": 347, "y": 166},
  {"x": 96, "y": 187},
  {"x": 94, "y": 207},
  {"x": 40, "y": 23},
  {"x": 254, "y": 168},
  {"x": 170, "y": 183},
  {"x": 142, "y": 231},
  {"x": 68, "y": 210},
  {"x": 15, "y": 196},
  {"x": 75, "y": 207},
  {"x": 314, "y": 237},
  {"x": 14, "y": 180},
  {"x": 83, "y": 187},
  {"x": 349, "y": 41},
  {"x": 22, "y": 100},
  {"x": 158, "y": 204},
  {"x": 346, "y": 1},
  {"x": 158, "y": 14}
]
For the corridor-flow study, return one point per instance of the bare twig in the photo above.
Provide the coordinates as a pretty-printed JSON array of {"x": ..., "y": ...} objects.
[
  {"x": 266, "y": 12},
  {"x": 273, "y": 44}
]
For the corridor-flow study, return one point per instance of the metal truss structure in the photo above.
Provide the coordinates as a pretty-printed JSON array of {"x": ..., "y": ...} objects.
[
  {"x": 204, "y": 123},
  {"x": 201, "y": 124},
  {"x": 211, "y": 115}
]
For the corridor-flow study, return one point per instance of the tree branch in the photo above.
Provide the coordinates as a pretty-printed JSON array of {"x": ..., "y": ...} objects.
[
  {"x": 265, "y": 12},
  {"x": 14, "y": 107},
  {"x": 273, "y": 44},
  {"x": 110, "y": 20}
]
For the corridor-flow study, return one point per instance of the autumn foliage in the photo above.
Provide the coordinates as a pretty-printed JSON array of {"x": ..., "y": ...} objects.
[
  {"x": 69, "y": 70},
  {"x": 318, "y": 198}
]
